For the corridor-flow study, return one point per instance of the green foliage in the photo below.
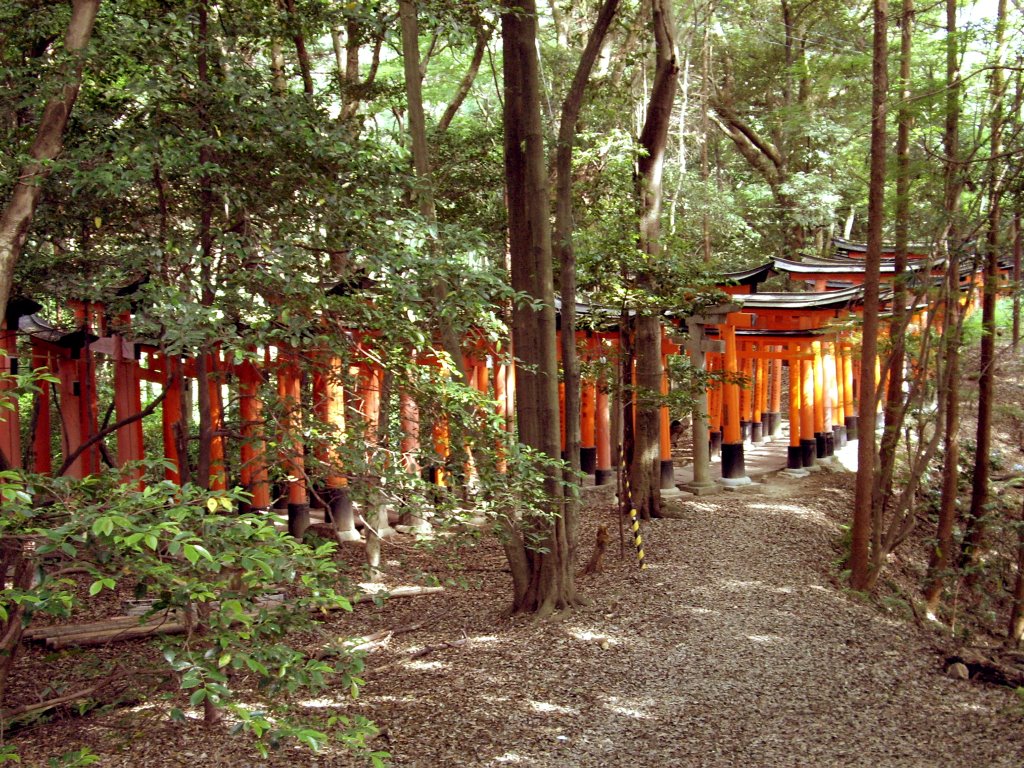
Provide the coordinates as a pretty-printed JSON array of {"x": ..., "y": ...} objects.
[{"x": 237, "y": 581}]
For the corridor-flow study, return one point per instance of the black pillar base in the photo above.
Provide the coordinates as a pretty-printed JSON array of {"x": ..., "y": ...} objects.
[
  {"x": 808, "y": 452},
  {"x": 840, "y": 432},
  {"x": 298, "y": 519},
  {"x": 794, "y": 457},
  {"x": 851, "y": 427},
  {"x": 603, "y": 476},
  {"x": 830, "y": 443},
  {"x": 744, "y": 431},
  {"x": 757, "y": 432},
  {"x": 668, "y": 475},
  {"x": 819, "y": 440},
  {"x": 715, "y": 444},
  {"x": 773, "y": 423},
  {"x": 733, "y": 465},
  {"x": 588, "y": 460},
  {"x": 339, "y": 505}
]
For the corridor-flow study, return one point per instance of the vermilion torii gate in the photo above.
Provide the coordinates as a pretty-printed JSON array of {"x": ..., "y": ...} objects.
[{"x": 797, "y": 348}]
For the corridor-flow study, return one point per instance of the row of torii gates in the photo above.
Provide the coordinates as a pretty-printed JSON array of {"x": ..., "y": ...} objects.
[{"x": 751, "y": 341}]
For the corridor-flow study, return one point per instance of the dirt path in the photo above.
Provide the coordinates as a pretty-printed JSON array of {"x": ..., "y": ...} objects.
[{"x": 732, "y": 649}]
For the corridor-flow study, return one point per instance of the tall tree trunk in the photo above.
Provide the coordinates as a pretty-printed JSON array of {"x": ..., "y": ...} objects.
[
  {"x": 864, "y": 528},
  {"x": 421, "y": 163},
  {"x": 940, "y": 559},
  {"x": 894, "y": 408},
  {"x": 48, "y": 144},
  {"x": 976, "y": 516},
  {"x": 1016, "y": 627},
  {"x": 645, "y": 468},
  {"x": 565, "y": 254},
  {"x": 540, "y": 570}
]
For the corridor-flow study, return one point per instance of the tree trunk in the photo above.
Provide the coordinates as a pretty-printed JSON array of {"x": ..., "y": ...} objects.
[
  {"x": 940, "y": 559},
  {"x": 565, "y": 255},
  {"x": 861, "y": 577},
  {"x": 1016, "y": 628},
  {"x": 48, "y": 144},
  {"x": 541, "y": 575},
  {"x": 976, "y": 516},
  {"x": 483, "y": 36},
  {"x": 421, "y": 163},
  {"x": 894, "y": 402},
  {"x": 645, "y": 471}
]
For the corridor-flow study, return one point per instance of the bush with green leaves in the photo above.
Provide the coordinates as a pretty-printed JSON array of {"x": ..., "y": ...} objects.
[{"x": 236, "y": 584}]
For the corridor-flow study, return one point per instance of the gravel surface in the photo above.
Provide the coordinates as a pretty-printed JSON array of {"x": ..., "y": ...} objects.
[{"x": 734, "y": 648}]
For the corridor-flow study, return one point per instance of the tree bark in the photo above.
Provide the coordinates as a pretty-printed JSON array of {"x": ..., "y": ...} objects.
[
  {"x": 977, "y": 514},
  {"x": 565, "y": 255},
  {"x": 940, "y": 559},
  {"x": 421, "y": 163},
  {"x": 645, "y": 467},
  {"x": 541, "y": 576},
  {"x": 483, "y": 36},
  {"x": 864, "y": 529},
  {"x": 47, "y": 146}
]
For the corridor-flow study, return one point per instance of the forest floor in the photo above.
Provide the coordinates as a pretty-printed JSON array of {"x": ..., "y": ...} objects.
[{"x": 737, "y": 646}]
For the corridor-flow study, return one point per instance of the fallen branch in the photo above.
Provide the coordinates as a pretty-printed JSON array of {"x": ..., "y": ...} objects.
[
  {"x": 42, "y": 706},
  {"x": 367, "y": 642},
  {"x": 396, "y": 592}
]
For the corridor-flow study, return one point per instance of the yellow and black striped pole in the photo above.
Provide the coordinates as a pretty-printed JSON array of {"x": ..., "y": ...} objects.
[{"x": 634, "y": 519}]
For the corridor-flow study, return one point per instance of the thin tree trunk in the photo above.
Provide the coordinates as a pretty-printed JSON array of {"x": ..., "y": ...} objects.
[
  {"x": 865, "y": 528},
  {"x": 48, "y": 144},
  {"x": 483, "y": 36},
  {"x": 940, "y": 559},
  {"x": 894, "y": 403},
  {"x": 421, "y": 163},
  {"x": 1016, "y": 627},
  {"x": 977, "y": 514},
  {"x": 565, "y": 255}
]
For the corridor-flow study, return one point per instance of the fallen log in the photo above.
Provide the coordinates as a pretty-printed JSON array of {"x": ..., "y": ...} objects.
[
  {"x": 60, "y": 630},
  {"x": 102, "y": 637}
]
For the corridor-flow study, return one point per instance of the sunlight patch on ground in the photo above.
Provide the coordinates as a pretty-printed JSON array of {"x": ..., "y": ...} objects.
[
  {"x": 485, "y": 639},
  {"x": 425, "y": 665},
  {"x": 701, "y": 611},
  {"x": 736, "y": 584},
  {"x": 973, "y": 707},
  {"x": 547, "y": 707},
  {"x": 794, "y": 510},
  {"x": 509, "y": 757},
  {"x": 629, "y": 709},
  {"x": 589, "y": 636},
  {"x": 767, "y": 639},
  {"x": 321, "y": 703}
]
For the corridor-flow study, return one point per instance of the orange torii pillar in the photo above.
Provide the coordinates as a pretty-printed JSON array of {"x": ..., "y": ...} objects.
[
  {"x": 794, "y": 453},
  {"x": 828, "y": 400},
  {"x": 849, "y": 409},
  {"x": 734, "y": 471},
  {"x": 668, "y": 475},
  {"x": 773, "y": 420},
  {"x": 253, "y": 469},
  {"x": 715, "y": 397},
  {"x": 214, "y": 370},
  {"x": 41, "y": 451},
  {"x": 818, "y": 375},
  {"x": 603, "y": 471},
  {"x": 808, "y": 442},
  {"x": 835, "y": 366},
  {"x": 760, "y": 396},
  {"x": 173, "y": 423},
  {"x": 10, "y": 426},
  {"x": 329, "y": 406},
  {"x": 77, "y": 390},
  {"x": 745, "y": 363},
  {"x": 128, "y": 402},
  {"x": 588, "y": 435},
  {"x": 409, "y": 416},
  {"x": 289, "y": 393}
]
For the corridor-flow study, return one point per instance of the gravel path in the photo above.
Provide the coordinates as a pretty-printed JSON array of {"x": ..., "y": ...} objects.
[{"x": 732, "y": 649}]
